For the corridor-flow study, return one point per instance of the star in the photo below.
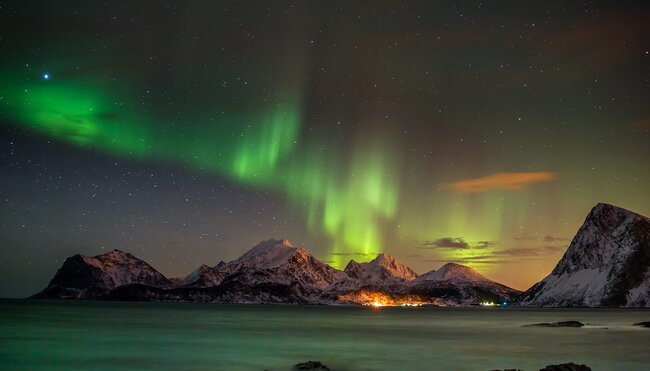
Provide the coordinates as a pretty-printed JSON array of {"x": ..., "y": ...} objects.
[{"x": 46, "y": 76}]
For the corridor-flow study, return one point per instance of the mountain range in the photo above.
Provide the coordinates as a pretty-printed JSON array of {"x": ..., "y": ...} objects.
[
  {"x": 273, "y": 271},
  {"x": 606, "y": 264}
]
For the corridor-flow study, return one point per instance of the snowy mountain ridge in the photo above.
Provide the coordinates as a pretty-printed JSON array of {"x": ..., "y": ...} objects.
[{"x": 273, "y": 271}]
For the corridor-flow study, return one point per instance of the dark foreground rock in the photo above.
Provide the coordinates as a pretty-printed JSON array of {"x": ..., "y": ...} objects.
[
  {"x": 643, "y": 324},
  {"x": 557, "y": 324},
  {"x": 310, "y": 365},
  {"x": 566, "y": 367}
]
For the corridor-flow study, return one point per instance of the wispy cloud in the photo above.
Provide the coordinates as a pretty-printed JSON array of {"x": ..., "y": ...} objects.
[
  {"x": 554, "y": 239},
  {"x": 519, "y": 251},
  {"x": 504, "y": 256},
  {"x": 504, "y": 181},
  {"x": 552, "y": 249},
  {"x": 642, "y": 123},
  {"x": 526, "y": 238},
  {"x": 528, "y": 251},
  {"x": 547, "y": 238},
  {"x": 350, "y": 254},
  {"x": 456, "y": 243},
  {"x": 474, "y": 260}
]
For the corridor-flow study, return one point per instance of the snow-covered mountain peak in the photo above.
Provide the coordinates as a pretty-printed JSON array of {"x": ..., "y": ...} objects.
[
  {"x": 83, "y": 276},
  {"x": 382, "y": 269},
  {"x": 383, "y": 259},
  {"x": 269, "y": 247},
  {"x": 115, "y": 254},
  {"x": 453, "y": 272},
  {"x": 606, "y": 264},
  {"x": 268, "y": 255},
  {"x": 393, "y": 266},
  {"x": 110, "y": 259},
  {"x": 607, "y": 234}
]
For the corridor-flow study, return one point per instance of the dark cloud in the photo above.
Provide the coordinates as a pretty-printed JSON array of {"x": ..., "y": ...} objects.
[
  {"x": 484, "y": 244},
  {"x": 447, "y": 243},
  {"x": 457, "y": 243}
]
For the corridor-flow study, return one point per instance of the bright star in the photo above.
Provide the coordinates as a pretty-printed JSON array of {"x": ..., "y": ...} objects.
[{"x": 46, "y": 76}]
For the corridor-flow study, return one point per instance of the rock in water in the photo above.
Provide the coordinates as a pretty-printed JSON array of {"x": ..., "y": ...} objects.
[
  {"x": 643, "y": 324},
  {"x": 557, "y": 324},
  {"x": 606, "y": 264},
  {"x": 566, "y": 367},
  {"x": 310, "y": 365}
]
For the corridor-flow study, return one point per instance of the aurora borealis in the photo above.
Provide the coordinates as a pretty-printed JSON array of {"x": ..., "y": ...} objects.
[{"x": 435, "y": 131}]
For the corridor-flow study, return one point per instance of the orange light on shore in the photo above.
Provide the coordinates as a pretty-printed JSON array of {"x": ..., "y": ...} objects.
[{"x": 378, "y": 299}]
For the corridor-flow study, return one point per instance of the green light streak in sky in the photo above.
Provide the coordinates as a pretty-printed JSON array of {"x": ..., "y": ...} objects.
[
  {"x": 349, "y": 205},
  {"x": 258, "y": 153},
  {"x": 354, "y": 211},
  {"x": 74, "y": 115}
]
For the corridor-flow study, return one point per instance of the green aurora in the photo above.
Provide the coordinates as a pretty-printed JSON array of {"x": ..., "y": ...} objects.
[{"x": 258, "y": 151}]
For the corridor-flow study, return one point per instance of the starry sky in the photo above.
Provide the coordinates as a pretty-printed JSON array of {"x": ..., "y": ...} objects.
[{"x": 186, "y": 132}]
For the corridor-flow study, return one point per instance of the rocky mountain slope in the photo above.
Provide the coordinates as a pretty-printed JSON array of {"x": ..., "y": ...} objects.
[
  {"x": 203, "y": 276},
  {"x": 606, "y": 264}
]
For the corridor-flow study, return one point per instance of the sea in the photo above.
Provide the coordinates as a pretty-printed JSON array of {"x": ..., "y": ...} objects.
[{"x": 94, "y": 335}]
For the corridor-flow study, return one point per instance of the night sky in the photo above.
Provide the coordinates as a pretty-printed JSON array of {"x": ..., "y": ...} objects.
[{"x": 185, "y": 133}]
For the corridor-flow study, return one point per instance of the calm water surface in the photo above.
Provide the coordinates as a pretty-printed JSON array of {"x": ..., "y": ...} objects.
[{"x": 57, "y": 335}]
